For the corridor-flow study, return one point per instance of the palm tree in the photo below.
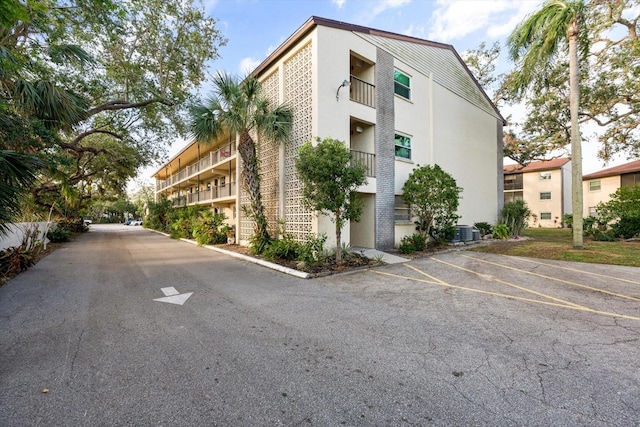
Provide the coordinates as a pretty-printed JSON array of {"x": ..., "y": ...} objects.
[
  {"x": 17, "y": 174},
  {"x": 240, "y": 108},
  {"x": 533, "y": 45}
]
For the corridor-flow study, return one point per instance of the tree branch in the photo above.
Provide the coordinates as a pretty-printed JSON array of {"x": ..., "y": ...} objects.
[
  {"x": 83, "y": 135},
  {"x": 124, "y": 105}
]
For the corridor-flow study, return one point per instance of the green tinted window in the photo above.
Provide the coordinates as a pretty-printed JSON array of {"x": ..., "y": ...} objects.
[
  {"x": 403, "y": 146},
  {"x": 402, "y": 84}
]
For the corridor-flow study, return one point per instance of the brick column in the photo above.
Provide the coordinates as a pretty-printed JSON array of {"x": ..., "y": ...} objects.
[{"x": 385, "y": 152}]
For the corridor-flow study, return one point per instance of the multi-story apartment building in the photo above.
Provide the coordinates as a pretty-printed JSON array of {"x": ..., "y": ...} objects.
[
  {"x": 545, "y": 186},
  {"x": 598, "y": 186},
  {"x": 396, "y": 101}
]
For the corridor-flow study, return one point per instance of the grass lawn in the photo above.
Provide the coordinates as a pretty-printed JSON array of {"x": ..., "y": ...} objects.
[{"x": 557, "y": 243}]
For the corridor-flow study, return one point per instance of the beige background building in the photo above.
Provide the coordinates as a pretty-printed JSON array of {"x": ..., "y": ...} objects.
[
  {"x": 599, "y": 186},
  {"x": 545, "y": 186}
]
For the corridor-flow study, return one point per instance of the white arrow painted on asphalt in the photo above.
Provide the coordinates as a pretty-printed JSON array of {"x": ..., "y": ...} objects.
[{"x": 173, "y": 297}]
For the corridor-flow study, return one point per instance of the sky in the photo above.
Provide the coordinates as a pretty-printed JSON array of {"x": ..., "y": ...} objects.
[{"x": 255, "y": 28}]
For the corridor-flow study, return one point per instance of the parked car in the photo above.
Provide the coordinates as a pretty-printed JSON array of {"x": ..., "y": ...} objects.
[
  {"x": 136, "y": 222},
  {"x": 88, "y": 222}
]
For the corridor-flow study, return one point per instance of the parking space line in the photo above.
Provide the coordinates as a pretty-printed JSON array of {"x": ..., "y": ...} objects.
[
  {"x": 540, "y": 294},
  {"x": 436, "y": 281},
  {"x": 404, "y": 277},
  {"x": 579, "y": 271},
  {"x": 480, "y": 291},
  {"x": 554, "y": 278}
]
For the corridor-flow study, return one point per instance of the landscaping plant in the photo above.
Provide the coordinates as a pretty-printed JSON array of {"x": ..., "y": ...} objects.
[
  {"x": 330, "y": 178},
  {"x": 514, "y": 215},
  {"x": 433, "y": 196}
]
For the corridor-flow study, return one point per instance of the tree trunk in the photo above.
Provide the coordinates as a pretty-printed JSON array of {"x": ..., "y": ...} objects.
[
  {"x": 576, "y": 143},
  {"x": 338, "y": 237},
  {"x": 251, "y": 183}
]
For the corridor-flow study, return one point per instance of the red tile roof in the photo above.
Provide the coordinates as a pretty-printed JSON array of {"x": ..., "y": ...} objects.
[
  {"x": 537, "y": 166},
  {"x": 616, "y": 170}
]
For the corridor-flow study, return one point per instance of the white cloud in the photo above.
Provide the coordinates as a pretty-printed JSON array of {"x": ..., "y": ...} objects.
[
  {"x": 453, "y": 20},
  {"x": 415, "y": 31},
  {"x": 383, "y": 5},
  {"x": 499, "y": 30},
  {"x": 247, "y": 65},
  {"x": 370, "y": 13},
  {"x": 338, "y": 3}
]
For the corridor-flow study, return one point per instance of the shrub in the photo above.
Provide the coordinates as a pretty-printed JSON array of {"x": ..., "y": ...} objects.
[
  {"x": 159, "y": 215},
  {"x": 183, "y": 220},
  {"x": 414, "y": 243},
  {"x": 312, "y": 251},
  {"x": 514, "y": 216},
  {"x": 15, "y": 260},
  {"x": 71, "y": 227},
  {"x": 484, "y": 227},
  {"x": 626, "y": 227},
  {"x": 444, "y": 227},
  {"x": 501, "y": 231},
  {"x": 286, "y": 248},
  {"x": 58, "y": 234},
  {"x": 209, "y": 228},
  {"x": 624, "y": 203},
  {"x": 624, "y": 207},
  {"x": 259, "y": 243},
  {"x": 602, "y": 236},
  {"x": 433, "y": 196},
  {"x": 597, "y": 230}
]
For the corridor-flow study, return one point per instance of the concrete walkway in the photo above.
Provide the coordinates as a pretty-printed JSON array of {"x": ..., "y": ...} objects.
[{"x": 375, "y": 254}]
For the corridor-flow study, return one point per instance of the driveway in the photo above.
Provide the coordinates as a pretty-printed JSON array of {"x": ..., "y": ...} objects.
[{"x": 127, "y": 327}]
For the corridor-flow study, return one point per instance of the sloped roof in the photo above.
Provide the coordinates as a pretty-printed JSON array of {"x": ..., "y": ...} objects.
[
  {"x": 616, "y": 170},
  {"x": 440, "y": 60},
  {"x": 543, "y": 165},
  {"x": 448, "y": 68}
]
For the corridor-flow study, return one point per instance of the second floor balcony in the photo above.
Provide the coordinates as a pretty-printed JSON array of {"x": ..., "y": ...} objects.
[
  {"x": 362, "y": 92},
  {"x": 215, "y": 157},
  {"x": 368, "y": 159},
  {"x": 213, "y": 194}
]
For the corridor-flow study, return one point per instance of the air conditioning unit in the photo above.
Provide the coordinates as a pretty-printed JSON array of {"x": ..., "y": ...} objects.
[{"x": 466, "y": 232}]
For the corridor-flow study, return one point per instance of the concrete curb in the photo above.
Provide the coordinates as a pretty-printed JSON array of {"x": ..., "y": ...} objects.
[{"x": 271, "y": 265}]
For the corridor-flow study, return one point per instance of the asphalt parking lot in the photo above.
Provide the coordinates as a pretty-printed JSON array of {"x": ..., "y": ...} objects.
[{"x": 600, "y": 290}]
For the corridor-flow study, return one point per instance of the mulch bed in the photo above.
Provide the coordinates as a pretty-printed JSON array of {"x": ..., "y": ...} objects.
[{"x": 353, "y": 261}]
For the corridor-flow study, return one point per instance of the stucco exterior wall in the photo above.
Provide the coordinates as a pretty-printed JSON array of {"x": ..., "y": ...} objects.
[
  {"x": 608, "y": 185},
  {"x": 533, "y": 186},
  {"x": 465, "y": 145}
]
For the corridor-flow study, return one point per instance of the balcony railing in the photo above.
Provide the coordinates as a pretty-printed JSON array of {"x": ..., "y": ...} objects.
[
  {"x": 209, "y": 195},
  {"x": 196, "y": 167},
  {"x": 368, "y": 159},
  {"x": 362, "y": 92}
]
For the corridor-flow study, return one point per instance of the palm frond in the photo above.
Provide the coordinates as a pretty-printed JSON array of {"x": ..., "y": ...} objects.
[
  {"x": 205, "y": 124},
  {"x": 59, "y": 107},
  {"x": 251, "y": 88},
  {"x": 17, "y": 173},
  {"x": 539, "y": 38},
  {"x": 8, "y": 63},
  {"x": 69, "y": 53},
  {"x": 225, "y": 87},
  {"x": 275, "y": 124}
]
